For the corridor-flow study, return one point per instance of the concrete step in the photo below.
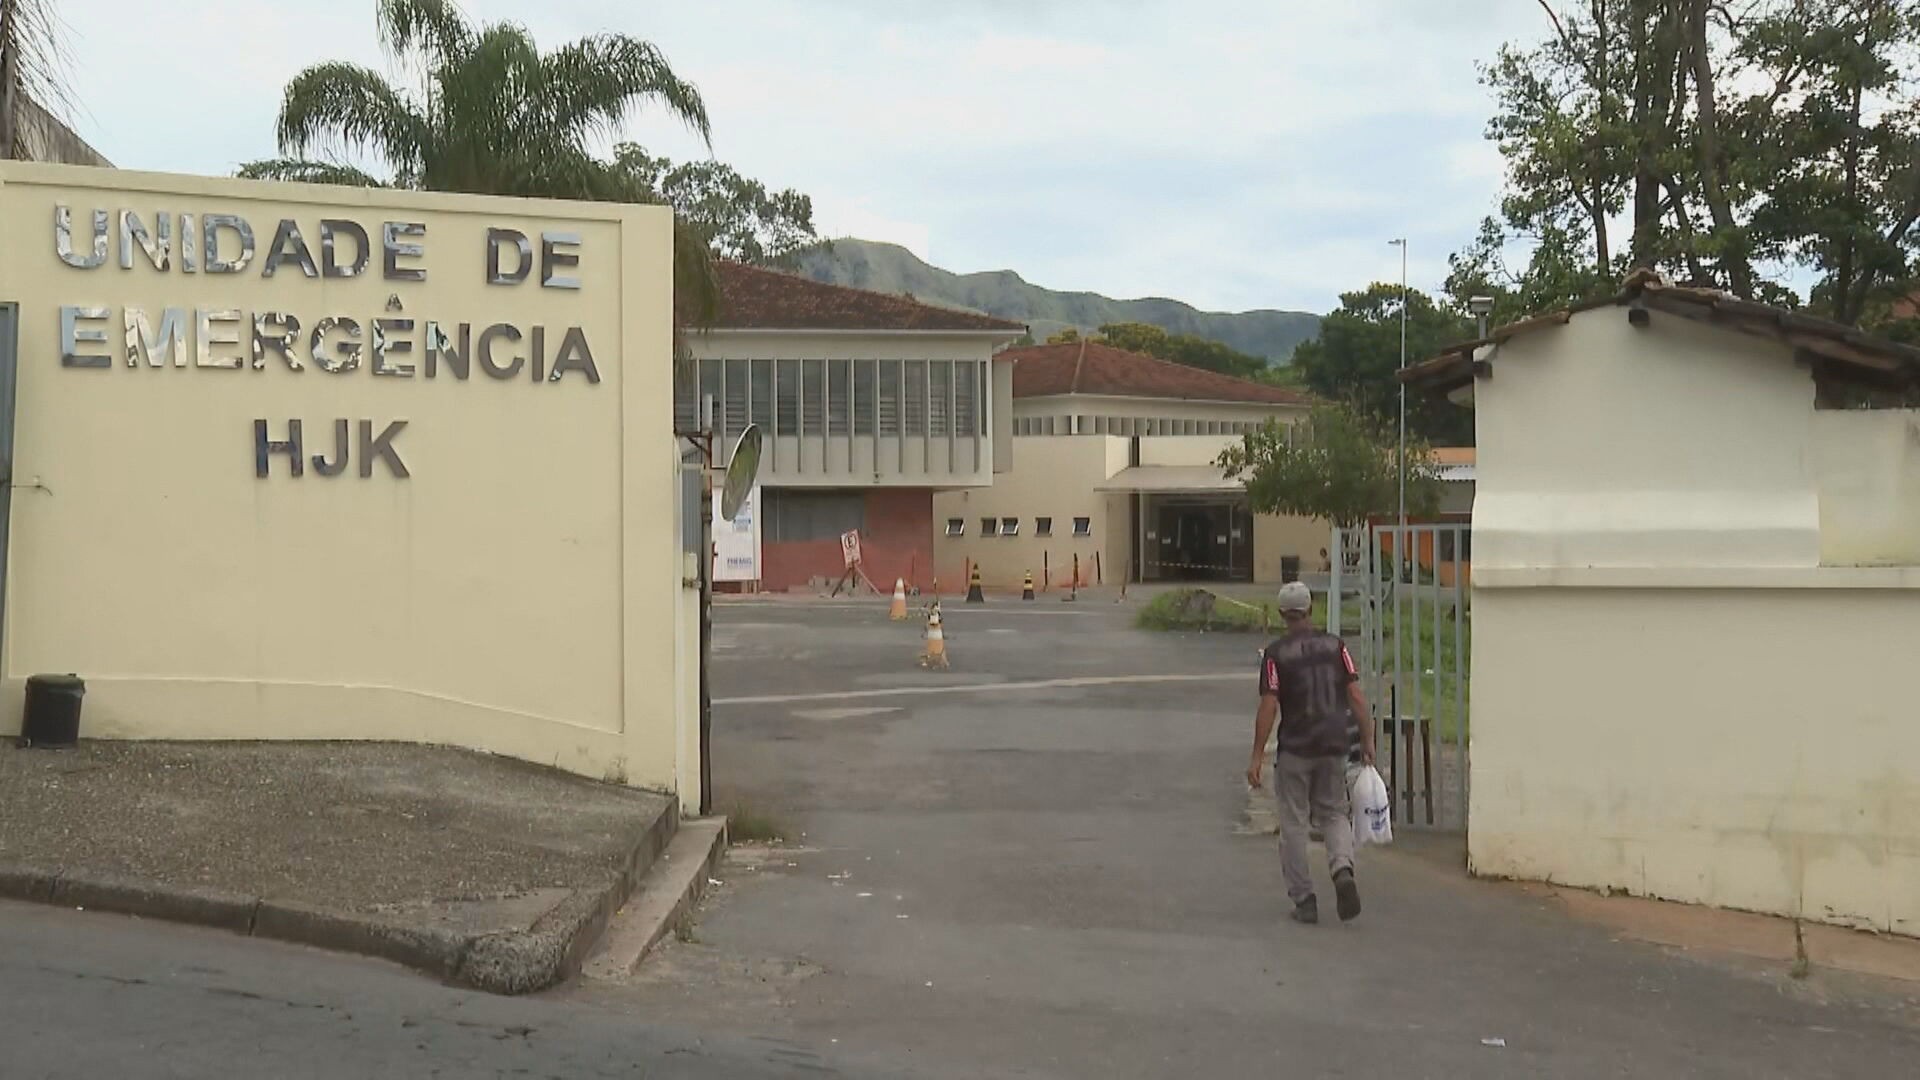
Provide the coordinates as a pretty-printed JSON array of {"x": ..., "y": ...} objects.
[{"x": 673, "y": 884}]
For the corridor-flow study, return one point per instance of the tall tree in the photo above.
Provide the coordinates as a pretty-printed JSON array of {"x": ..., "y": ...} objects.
[
  {"x": 1750, "y": 143},
  {"x": 739, "y": 218},
  {"x": 30, "y": 67},
  {"x": 492, "y": 115},
  {"x": 1356, "y": 358}
]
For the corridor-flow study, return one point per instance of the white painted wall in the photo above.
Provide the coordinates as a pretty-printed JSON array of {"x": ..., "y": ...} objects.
[
  {"x": 1752, "y": 748},
  {"x": 1055, "y": 477},
  {"x": 1678, "y": 445},
  {"x": 1868, "y": 463},
  {"x": 1184, "y": 449}
]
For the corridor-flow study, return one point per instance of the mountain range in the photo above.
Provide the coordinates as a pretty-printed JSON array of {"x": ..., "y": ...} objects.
[{"x": 889, "y": 268}]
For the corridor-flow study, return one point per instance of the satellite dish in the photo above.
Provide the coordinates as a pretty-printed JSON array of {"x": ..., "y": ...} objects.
[{"x": 743, "y": 468}]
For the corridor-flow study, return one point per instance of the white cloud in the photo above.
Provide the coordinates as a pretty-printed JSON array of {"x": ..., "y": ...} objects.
[
  {"x": 1229, "y": 153},
  {"x": 836, "y": 218}
]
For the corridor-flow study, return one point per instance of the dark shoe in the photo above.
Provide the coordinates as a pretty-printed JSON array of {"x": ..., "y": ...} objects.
[
  {"x": 1307, "y": 911},
  {"x": 1348, "y": 893}
]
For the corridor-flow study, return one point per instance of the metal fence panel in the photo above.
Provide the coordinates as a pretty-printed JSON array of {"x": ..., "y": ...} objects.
[{"x": 1406, "y": 592}]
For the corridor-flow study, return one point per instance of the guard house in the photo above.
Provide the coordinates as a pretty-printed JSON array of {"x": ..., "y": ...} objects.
[{"x": 1695, "y": 605}]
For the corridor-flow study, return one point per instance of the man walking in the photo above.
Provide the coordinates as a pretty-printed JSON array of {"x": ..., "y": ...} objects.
[{"x": 1308, "y": 681}]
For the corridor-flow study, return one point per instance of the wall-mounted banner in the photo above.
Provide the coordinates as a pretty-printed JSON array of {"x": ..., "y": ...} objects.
[{"x": 736, "y": 543}]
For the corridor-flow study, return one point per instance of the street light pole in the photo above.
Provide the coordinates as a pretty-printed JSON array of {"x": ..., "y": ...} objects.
[{"x": 1403, "y": 388}]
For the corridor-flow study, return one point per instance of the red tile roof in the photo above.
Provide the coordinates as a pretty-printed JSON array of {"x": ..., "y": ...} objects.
[
  {"x": 1085, "y": 367},
  {"x": 752, "y": 298}
]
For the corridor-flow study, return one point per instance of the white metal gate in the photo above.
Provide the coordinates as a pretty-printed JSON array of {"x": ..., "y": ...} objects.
[{"x": 1402, "y": 598}]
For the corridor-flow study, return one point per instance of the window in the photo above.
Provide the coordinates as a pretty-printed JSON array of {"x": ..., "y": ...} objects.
[
  {"x": 916, "y": 397},
  {"x": 709, "y": 387},
  {"x": 685, "y": 391},
  {"x": 1099, "y": 425},
  {"x": 956, "y": 526},
  {"x": 760, "y": 383},
  {"x": 1082, "y": 526},
  {"x": 890, "y": 412},
  {"x": 837, "y": 401},
  {"x": 786, "y": 412},
  {"x": 792, "y": 515},
  {"x": 966, "y": 396},
  {"x": 1043, "y": 526},
  {"x": 989, "y": 526},
  {"x": 734, "y": 410},
  {"x": 939, "y": 397},
  {"x": 813, "y": 397},
  {"x": 1009, "y": 526},
  {"x": 864, "y": 402}
]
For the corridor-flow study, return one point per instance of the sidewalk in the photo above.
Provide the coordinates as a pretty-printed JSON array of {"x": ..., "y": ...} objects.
[{"x": 488, "y": 872}]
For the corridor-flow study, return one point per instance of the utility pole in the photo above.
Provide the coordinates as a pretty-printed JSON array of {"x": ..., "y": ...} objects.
[{"x": 1403, "y": 387}]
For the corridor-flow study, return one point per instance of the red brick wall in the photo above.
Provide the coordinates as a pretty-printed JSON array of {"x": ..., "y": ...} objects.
[{"x": 897, "y": 542}]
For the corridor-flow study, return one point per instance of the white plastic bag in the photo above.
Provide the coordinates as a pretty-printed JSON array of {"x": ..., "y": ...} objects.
[{"x": 1372, "y": 812}]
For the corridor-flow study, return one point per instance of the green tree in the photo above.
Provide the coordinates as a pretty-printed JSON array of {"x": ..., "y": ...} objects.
[
  {"x": 1558, "y": 274},
  {"x": 30, "y": 67},
  {"x": 739, "y": 218},
  {"x": 1748, "y": 145},
  {"x": 1356, "y": 359},
  {"x": 1341, "y": 465},
  {"x": 492, "y": 115}
]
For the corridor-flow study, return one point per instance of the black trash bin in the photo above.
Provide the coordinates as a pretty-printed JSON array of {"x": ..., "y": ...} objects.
[{"x": 52, "y": 717}]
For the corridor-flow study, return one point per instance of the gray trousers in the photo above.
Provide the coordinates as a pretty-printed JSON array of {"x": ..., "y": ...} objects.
[{"x": 1312, "y": 792}]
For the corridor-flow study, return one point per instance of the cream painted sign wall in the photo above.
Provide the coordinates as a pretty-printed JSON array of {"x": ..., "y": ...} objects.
[
  {"x": 520, "y": 594},
  {"x": 128, "y": 240}
]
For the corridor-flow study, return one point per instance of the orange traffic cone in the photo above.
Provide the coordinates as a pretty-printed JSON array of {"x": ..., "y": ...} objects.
[
  {"x": 899, "y": 609},
  {"x": 935, "y": 658}
]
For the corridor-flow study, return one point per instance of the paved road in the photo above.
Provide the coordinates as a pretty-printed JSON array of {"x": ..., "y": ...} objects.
[
  {"x": 88, "y": 996},
  {"x": 1049, "y": 882}
]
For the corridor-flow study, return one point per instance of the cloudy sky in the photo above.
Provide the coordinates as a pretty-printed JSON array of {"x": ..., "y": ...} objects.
[{"x": 1231, "y": 154}]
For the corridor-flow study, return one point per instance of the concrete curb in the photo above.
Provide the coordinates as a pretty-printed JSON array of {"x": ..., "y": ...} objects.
[
  {"x": 664, "y": 900},
  {"x": 153, "y": 900},
  {"x": 517, "y": 962}
]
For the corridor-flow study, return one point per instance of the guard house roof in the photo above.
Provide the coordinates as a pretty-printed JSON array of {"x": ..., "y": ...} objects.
[
  {"x": 1837, "y": 352},
  {"x": 752, "y": 298},
  {"x": 1088, "y": 367}
]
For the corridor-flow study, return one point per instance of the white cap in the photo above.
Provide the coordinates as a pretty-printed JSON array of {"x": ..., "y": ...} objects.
[{"x": 1295, "y": 596}]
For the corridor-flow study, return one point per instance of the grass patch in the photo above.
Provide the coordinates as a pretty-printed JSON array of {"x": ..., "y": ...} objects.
[
  {"x": 1210, "y": 612},
  {"x": 748, "y": 824}
]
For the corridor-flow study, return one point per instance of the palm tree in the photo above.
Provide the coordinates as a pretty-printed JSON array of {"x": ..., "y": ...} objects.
[
  {"x": 493, "y": 116},
  {"x": 30, "y": 62}
]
